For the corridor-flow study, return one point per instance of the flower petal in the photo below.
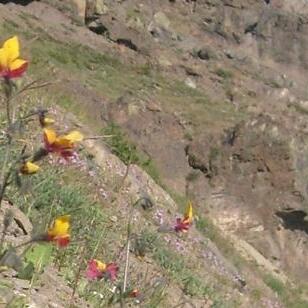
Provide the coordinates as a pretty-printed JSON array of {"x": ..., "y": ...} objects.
[
  {"x": 11, "y": 47},
  {"x": 188, "y": 215},
  {"x": 74, "y": 136},
  {"x": 29, "y": 168},
  {"x": 100, "y": 265},
  {"x": 49, "y": 136},
  {"x": 17, "y": 68},
  {"x": 62, "y": 241},
  {"x": 111, "y": 271},
  {"x": 93, "y": 272},
  {"x": 181, "y": 225},
  {"x": 48, "y": 121},
  {"x": 17, "y": 64},
  {"x": 60, "y": 227},
  {"x": 67, "y": 141}
]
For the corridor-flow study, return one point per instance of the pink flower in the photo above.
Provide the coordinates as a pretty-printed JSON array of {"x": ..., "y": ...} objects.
[
  {"x": 182, "y": 225},
  {"x": 94, "y": 271},
  {"x": 111, "y": 271},
  {"x": 97, "y": 270}
]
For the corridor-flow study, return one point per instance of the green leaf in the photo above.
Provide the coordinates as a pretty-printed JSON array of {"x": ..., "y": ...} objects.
[
  {"x": 27, "y": 272},
  {"x": 39, "y": 254}
]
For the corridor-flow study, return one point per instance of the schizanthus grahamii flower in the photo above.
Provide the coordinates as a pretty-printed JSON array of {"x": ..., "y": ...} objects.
[
  {"x": 182, "y": 225},
  {"x": 29, "y": 168},
  {"x": 97, "y": 270},
  {"x": 10, "y": 64},
  {"x": 63, "y": 145},
  {"x": 59, "y": 232}
]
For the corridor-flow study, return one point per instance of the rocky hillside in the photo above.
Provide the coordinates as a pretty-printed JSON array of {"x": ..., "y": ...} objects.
[{"x": 201, "y": 100}]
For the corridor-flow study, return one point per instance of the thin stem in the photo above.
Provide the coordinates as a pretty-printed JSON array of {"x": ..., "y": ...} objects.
[
  {"x": 30, "y": 86},
  {"x": 126, "y": 263},
  {"x": 25, "y": 243},
  {"x": 5, "y": 175},
  {"x": 8, "y": 112},
  {"x": 128, "y": 243},
  {"x": 8, "y": 89}
]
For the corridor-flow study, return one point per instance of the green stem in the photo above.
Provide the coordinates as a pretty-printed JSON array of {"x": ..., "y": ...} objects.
[
  {"x": 128, "y": 242},
  {"x": 5, "y": 175},
  {"x": 8, "y": 112}
]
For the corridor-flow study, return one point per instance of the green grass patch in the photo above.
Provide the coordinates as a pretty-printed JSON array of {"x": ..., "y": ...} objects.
[
  {"x": 275, "y": 284},
  {"x": 121, "y": 146},
  {"x": 177, "y": 269},
  {"x": 176, "y": 266},
  {"x": 223, "y": 73},
  {"x": 291, "y": 296},
  {"x": 208, "y": 229}
]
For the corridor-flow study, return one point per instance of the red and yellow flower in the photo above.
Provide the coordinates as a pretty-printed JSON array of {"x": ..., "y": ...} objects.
[
  {"x": 11, "y": 66},
  {"x": 97, "y": 270},
  {"x": 63, "y": 145},
  {"x": 182, "y": 225},
  {"x": 59, "y": 231}
]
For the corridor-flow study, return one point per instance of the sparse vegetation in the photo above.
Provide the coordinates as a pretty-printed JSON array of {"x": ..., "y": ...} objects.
[
  {"x": 223, "y": 73},
  {"x": 127, "y": 151},
  {"x": 275, "y": 284}
]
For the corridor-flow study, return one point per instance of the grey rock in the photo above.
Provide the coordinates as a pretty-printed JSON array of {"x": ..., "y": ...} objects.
[
  {"x": 205, "y": 53},
  {"x": 162, "y": 20}
]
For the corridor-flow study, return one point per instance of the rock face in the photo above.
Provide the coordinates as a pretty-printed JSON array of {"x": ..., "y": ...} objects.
[
  {"x": 254, "y": 175},
  {"x": 279, "y": 29},
  {"x": 15, "y": 224},
  {"x": 81, "y": 7},
  {"x": 252, "y": 169},
  {"x": 89, "y": 8}
]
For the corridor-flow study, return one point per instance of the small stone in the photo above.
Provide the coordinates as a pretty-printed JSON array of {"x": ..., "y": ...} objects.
[
  {"x": 163, "y": 61},
  {"x": 162, "y": 20},
  {"x": 153, "y": 106},
  {"x": 100, "y": 8},
  {"x": 113, "y": 218},
  {"x": 21, "y": 284},
  {"x": 204, "y": 53},
  {"x": 190, "y": 83}
]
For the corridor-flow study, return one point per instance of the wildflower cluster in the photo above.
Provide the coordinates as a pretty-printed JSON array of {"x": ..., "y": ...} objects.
[
  {"x": 53, "y": 143},
  {"x": 64, "y": 146}
]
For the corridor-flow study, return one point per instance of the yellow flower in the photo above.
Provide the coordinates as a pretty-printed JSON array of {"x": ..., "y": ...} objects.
[
  {"x": 100, "y": 265},
  {"x": 188, "y": 215},
  {"x": 10, "y": 64},
  {"x": 48, "y": 121},
  {"x": 29, "y": 168},
  {"x": 59, "y": 232},
  {"x": 63, "y": 145},
  {"x": 45, "y": 121}
]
